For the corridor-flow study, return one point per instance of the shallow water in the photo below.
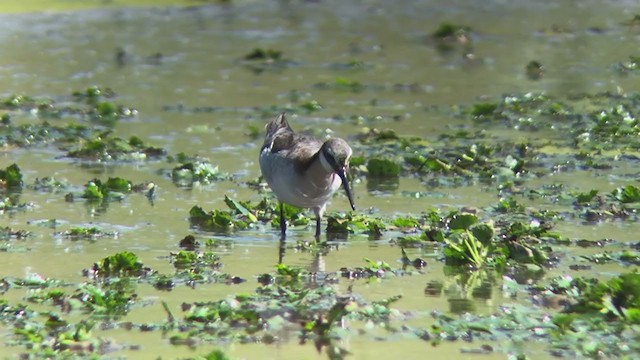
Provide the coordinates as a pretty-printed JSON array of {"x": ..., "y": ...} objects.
[{"x": 198, "y": 98}]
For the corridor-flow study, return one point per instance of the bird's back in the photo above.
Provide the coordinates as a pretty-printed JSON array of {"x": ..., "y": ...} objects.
[
  {"x": 285, "y": 160},
  {"x": 282, "y": 142}
]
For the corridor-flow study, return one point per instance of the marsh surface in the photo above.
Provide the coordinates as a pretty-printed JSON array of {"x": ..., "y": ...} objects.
[{"x": 185, "y": 85}]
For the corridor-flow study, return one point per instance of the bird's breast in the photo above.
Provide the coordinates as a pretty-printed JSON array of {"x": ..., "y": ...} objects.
[{"x": 310, "y": 188}]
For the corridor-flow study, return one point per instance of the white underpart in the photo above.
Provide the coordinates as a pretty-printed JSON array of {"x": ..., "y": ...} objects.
[
  {"x": 310, "y": 190},
  {"x": 325, "y": 162}
]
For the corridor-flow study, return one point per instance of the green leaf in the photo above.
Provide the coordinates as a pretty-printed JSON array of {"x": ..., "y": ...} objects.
[
  {"x": 238, "y": 208},
  {"x": 585, "y": 198},
  {"x": 93, "y": 191},
  {"x": 484, "y": 233},
  {"x": 11, "y": 176},
  {"x": 627, "y": 194},
  {"x": 123, "y": 263},
  {"x": 462, "y": 221},
  {"x": 118, "y": 184}
]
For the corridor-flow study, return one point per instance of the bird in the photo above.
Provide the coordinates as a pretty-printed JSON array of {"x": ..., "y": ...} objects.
[{"x": 303, "y": 170}]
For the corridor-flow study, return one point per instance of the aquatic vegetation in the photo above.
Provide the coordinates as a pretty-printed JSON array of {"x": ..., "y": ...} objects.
[
  {"x": 311, "y": 106},
  {"x": 284, "y": 301},
  {"x": 264, "y": 54},
  {"x": 448, "y": 36},
  {"x": 585, "y": 199},
  {"x": 447, "y": 30},
  {"x": 352, "y": 65},
  {"x": 186, "y": 259},
  {"x": 632, "y": 64},
  {"x": 28, "y": 135},
  {"x": 12, "y": 203},
  {"x": 619, "y": 204},
  {"x": 243, "y": 215},
  {"x": 472, "y": 245},
  {"x": 189, "y": 242},
  {"x": 627, "y": 194},
  {"x": 31, "y": 281},
  {"x": 86, "y": 233},
  {"x": 344, "y": 84},
  {"x": 114, "y": 189},
  {"x": 382, "y": 168},
  {"x": 10, "y": 177},
  {"x": 196, "y": 267},
  {"x": 606, "y": 310},
  {"x": 49, "y": 184},
  {"x": 93, "y": 104},
  {"x": 634, "y": 21},
  {"x": 343, "y": 224},
  {"x": 101, "y": 108},
  {"x": 93, "y": 94},
  {"x": 260, "y": 60},
  {"x": 624, "y": 257},
  {"x": 374, "y": 269},
  {"x": 8, "y": 233},
  {"x": 106, "y": 147},
  {"x": 351, "y": 85},
  {"x": 294, "y": 216},
  {"x": 483, "y": 109},
  {"x": 485, "y": 244},
  {"x": 219, "y": 220},
  {"x": 125, "y": 264},
  {"x": 201, "y": 171},
  {"x": 215, "y": 354},
  {"x": 113, "y": 298},
  {"x": 534, "y": 70}
]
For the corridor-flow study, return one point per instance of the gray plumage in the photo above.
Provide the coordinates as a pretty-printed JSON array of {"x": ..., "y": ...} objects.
[{"x": 302, "y": 170}]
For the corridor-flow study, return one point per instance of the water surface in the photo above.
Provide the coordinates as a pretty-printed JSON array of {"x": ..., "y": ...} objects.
[{"x": 183, "y": 73}]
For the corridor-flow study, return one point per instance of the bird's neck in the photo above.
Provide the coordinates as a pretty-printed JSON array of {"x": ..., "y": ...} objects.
[
  {"x": 322, "y": 159},
  {"x": 320, "y": 173}
]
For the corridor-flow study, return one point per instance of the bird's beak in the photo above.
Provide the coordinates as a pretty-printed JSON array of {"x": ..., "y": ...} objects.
[{"x": 342, "y": 172}]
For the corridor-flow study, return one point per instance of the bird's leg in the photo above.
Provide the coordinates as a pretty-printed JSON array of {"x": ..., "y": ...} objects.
[
  {"x": 318, "y": 224},
  {"x": 281, "y": 250},
  {"x": 319, "y": 211},
  {"x": 283, "y": 222}
]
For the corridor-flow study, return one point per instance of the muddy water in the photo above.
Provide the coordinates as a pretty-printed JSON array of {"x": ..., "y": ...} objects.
[{"x": 197, "y": 98}]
